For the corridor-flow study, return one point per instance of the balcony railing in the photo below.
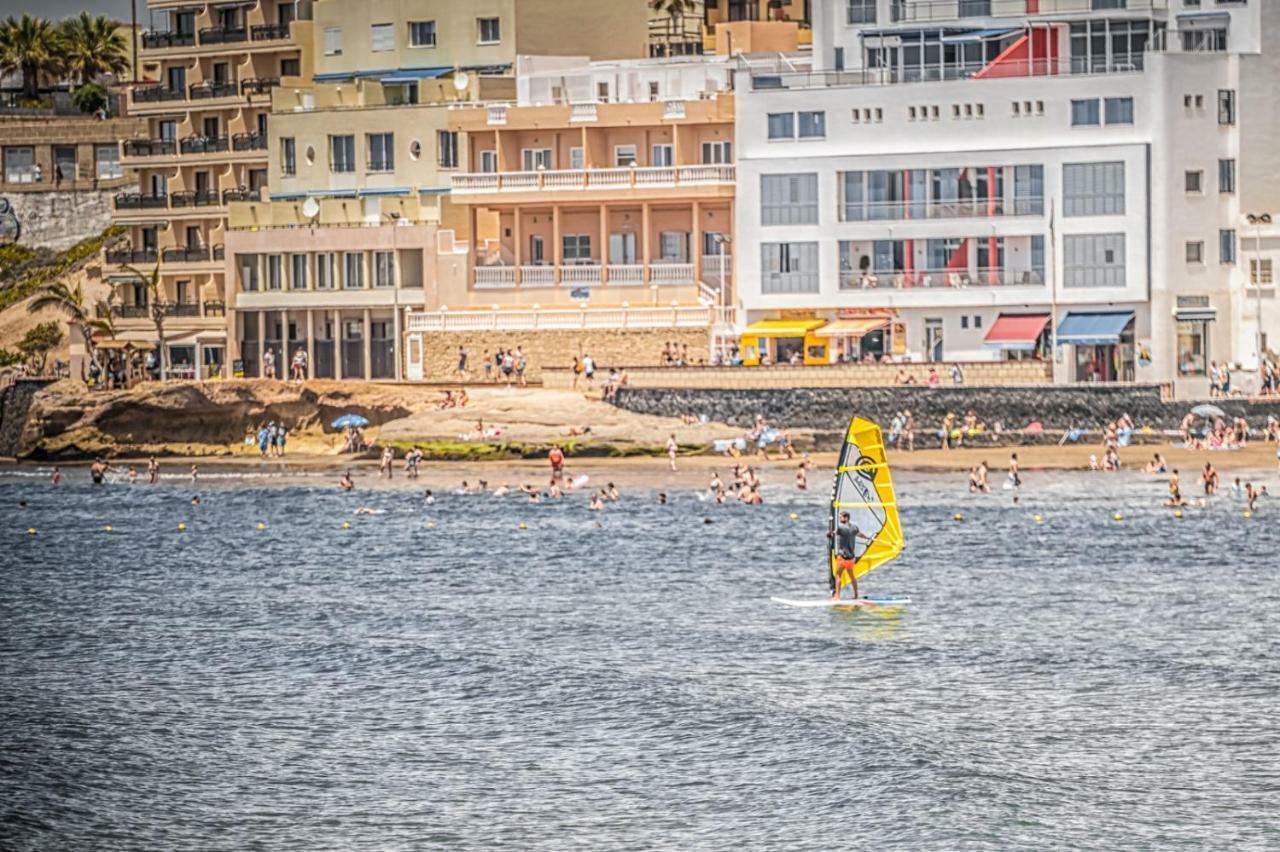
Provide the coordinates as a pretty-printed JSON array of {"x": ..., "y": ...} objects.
[
  {"x": 205, "y": 144},
  {"x": 656, "y": 274},
  {"x": 161, "y": 40},
  {"x": 1005, "y": 68},
  {"x": 186, "y": 255},
  {"x": 549, "y": 319},
  {"x": 157, "y": 94},
  {"x": 713, "y": 269},
  {"x": 131, "y": 311},
  {"x": 258, "y": 85},
  {"x": 537, "y": 276},
  {"x": 668, "y": 274},
  {"x": 194, "y": 199},
  {"x": 216, "y": 35},
  {"x": 625, "y": 274},
  {"x": 213, "y": 89},
  {"x": 977, "y": 208},
  {"x": 249, "y": 142},
  {"x": 138, "y": 201},
  {"x": 941, "y": 279},
  {"x": 131, "y": 256},
  {"x": 182, "y": 309},
  {"x": 215, "y": 309},
  {"x": 149, "y": 147},
  {"x": 925, "y": 11},
  {"x": 241, "y": 194},
  {"x": 579, "y": 179},
  {"x": 270, "y": 32}
]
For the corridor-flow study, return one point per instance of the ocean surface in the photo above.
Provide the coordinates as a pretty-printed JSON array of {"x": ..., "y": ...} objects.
[{"x": 437, "y": 677}]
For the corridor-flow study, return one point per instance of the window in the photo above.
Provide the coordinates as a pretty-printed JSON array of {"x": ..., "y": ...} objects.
[
  {"x": 1109, "y": 44},
  {"x": 813, "y": 125},
  {"x": 789, "y": 267},
  {"x": 653, "y": 90},
  {"x": 1207, "y": 40},
  {"x": 576, "y": 248},
  {"x": 290, "y": 67},
  {"x": 533, "y": 159},
  {"x": 384, "y": 269},
  {"x": 1119, "y": 110},
  {"x": 1104, "y": 5},
  {"x": 326, "y": 274},
  {"x": 1028, "y": 190},
  {"x": 20, "y": 164},
  {"x": 1226, "y": 106},
  {"x": 624, "y": 155},
  {"x": 297, "y": 272},
  {"x": 1195, "y": 251},
  {"x": 108, "y": 159},
  {"x": 489, "y": 31},
  {"x": 1093, "y": 260},
  {"x": 717, "y": 152},
  {"x": 332, "y": 41},
  {"x": 1260, "y": 272},
  {"x": 862, "y": 11},
  {"x": 382, "y": 157},
  {"x": 1084, "y": 113},
  {"x": 789, "y": 199},
  {"x": 975, "y": 8},
  {"x": 353, "y": 270},
  {"x": 1093, "y": 189},
  {"x": 1194, "y": 181},
  {"x": 662, "y": 155},
  {"x": 288, "y": 156},
  {"x": 382, "y": 37},
  {"x": 489, "y": 162},
  {"x": 674, "y": 246},
  {"x": 342, "y": 153},
  {"x": 782, "y": 125},
  {"x": 249, "y": 273},
  {"x": 447, "y": 143},
  {"x": 1227, "y": 175},
  {"x": 1193, "y": 348},
  {"x": 1227, "y": 245},
  {"x": 275, "y": 272},
  {"x": 577, "y": 158},
  {"x": 422, "y": 33}
]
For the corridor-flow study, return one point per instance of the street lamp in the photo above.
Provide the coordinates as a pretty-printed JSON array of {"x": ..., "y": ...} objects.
[{"x": 1257, "y": 220}]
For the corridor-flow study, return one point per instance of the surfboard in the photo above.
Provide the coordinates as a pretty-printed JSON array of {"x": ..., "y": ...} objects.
[{"x": 827, "y": 603}]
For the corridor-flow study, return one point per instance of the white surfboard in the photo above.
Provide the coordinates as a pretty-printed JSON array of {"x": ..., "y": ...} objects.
[{"x": 828, "y": 603}]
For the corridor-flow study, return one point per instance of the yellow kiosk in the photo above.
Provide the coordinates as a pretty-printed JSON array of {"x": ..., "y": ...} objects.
[{"x": 774, "y": 342}]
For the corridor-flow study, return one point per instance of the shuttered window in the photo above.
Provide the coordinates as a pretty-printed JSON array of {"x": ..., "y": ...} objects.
[
  {"x": 1093, "y": 260},
  {"x": 789, "y": 199},
  {"x": 789, "y": 267},
  {"x": 382, "y": 37},
  {"x": 1093, "y": 189}
]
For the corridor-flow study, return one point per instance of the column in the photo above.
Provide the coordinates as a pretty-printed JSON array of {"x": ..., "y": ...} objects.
[
  {"x": 311, "y": 343},
  {"x": 368, "y": 344},
  {"x": 473, "y": 246},
  {"x": 233, "y": 345},
  {"x": 262, "y": 338},
  {"x": 993, "y": 261},
  {"x": 282, "y": 369},
  {"x": 395, "y": 343},
  {"x": 557, "y": 248},
  {"x": 337, "y": 344},
  {"x": 518, "y": 236},
  {"x": 696, "y": 235},
  {"x": 908, "y": 246},
  {"x": 604, "y": 243},
  {"x": 644, "y": 244}
]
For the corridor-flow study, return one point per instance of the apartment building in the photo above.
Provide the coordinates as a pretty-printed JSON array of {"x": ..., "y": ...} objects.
[
  {"x": 210, "y": 69},
  {"x": 357, "y": 229},
  {"x": 1055, "y": 179},
  {"x": 607, "y": 185}
]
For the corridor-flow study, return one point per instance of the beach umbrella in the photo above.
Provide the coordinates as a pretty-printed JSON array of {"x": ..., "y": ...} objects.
[
  {"x": 1208, "y": 411},
  {"x": 350, "y": 421}
]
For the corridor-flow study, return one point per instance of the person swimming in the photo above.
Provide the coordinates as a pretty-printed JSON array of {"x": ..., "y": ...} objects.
[
  {"x": 428, "y": 498},
  {"x": 345, "y": 482},
  {"x": 596, "y": 504}
]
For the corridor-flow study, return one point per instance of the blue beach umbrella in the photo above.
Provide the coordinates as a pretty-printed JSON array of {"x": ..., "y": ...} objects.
[{"x": 350, "y": 421}]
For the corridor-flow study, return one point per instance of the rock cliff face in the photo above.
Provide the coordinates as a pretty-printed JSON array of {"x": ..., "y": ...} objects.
[{"x": 67, "y": 420}]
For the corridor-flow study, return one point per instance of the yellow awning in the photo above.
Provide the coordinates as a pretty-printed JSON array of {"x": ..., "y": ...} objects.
[
  {"x": 853, "y": 327},
  {"x": 111, "y": 344},
  {"x": 783, "y": 328},
  {"x": 142, "y": 345}
]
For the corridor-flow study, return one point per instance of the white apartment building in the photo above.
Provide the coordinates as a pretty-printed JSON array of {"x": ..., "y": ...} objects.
[{"x": 992, "y": 179}]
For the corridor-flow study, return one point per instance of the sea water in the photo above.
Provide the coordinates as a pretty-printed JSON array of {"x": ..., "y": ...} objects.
[{"x": 439, "y": 677}]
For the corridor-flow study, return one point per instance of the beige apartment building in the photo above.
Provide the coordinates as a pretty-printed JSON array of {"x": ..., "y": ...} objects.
[
  {"x": 358, "y": 229},
  {"x": 209, "y": 71}
]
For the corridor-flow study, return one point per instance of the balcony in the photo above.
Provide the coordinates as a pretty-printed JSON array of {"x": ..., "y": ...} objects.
[
  {"x": 182, "y": 309},
  {"x": 593, "y": 274},
  {"x": 930, "y": 11},
  {"x": 216, "y": 35},
  {"x": 770, "y": 80},
  {"x": 128, "y": 256},
  {"x": 150, "y": 147},
  {"x": 138, "y": 201},
  {"x": 562, "y": 319},
  {"x": 161, "y": 41},
  {"x": 205, "y": 144},
  {"x": 241, "y": 194},
  {"x": 213, "y": 89},
  {"x": 626, "y": 177},
  {"x": 157, "y": 94},
  {"x": 249, "y": 142},
  {"x": 270, "y": 32},
  {"x": 131, "y": 311},
  {"x": 258, "y": 85},
  {"x": 215, "y": 309},
  {"x": 194, "y": 199},
  {"x": 940, "y": 279},
  {"x": 975, "y": 208},
  {"x": 198, "y": 254}
]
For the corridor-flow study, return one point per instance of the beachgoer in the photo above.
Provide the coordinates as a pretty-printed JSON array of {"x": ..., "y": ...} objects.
[
  {"x": 672, "y": 448},
  {"x": 611, "y": 493},
  {"x": 556, "y": 458},
  {"x": 56, "y": 476},
  {"x": 845, "y": 537},
  {"x": 1209, "y": 479},
  {"x": 384, "y": 464},
  {"x": 345, "y": 482},
  {"x": 428, "y": 498},
  {"x": 462, "y": 363},
  {"x": 153, "y": 470},
  {"x": 802, "y": 478},
  {"x": 133, "y": 475},
  {"x": 195, "y": 473},
  {"x": 596, "y": 504},
  {"x": 662, "y": 498}
]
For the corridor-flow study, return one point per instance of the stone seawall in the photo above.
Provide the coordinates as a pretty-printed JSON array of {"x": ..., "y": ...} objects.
[{"x": 1057, "y": 407}]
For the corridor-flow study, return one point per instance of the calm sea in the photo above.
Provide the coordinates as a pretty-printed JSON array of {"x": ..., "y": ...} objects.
[{"x": 623, "y": 681}]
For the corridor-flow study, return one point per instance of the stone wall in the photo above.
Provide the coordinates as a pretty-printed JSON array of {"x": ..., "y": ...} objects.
[
  {"x": 986, "y": 373},
  {"x": 1057, "y": 407},
  {"x": 15, "y": 405},
  {"x": 59, "y": 220},
  {"x": 607, "y": 347}
]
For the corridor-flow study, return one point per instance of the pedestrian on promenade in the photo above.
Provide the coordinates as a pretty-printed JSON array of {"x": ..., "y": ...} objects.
[{"x": 672, "y": 447}]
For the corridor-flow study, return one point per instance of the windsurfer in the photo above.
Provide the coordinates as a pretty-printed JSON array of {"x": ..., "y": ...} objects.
[{"x": 844, "y": 537}]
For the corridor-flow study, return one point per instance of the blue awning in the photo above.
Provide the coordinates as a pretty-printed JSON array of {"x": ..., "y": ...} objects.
[
  {"x": 977, "y": 35},
  {"x": 434, "y": 190},
  {"x": 393, "y": 190},
  {"x": 413, "y": 75},
  {"x": 1090, "y": 329}
]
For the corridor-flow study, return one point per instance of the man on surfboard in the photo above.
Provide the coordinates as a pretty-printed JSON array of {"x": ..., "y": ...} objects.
[{"x": 845, "y": 536}]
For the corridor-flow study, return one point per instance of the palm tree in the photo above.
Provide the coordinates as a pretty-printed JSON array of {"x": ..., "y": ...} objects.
[
  {"x": 32, "y": 46},
  {"x": 70, "y": 301},
  {"x": 159, "y": 310},
  {"x": 673, "y": 9},
  {"x": 92, "y": 47}
]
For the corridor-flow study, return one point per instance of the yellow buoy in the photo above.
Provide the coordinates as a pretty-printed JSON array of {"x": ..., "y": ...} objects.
[
  {"x": 1117, "y": 516},
  {"x": 430, "y": 525},
  {"x": 1178, "y": 514},
  {"x": 31, "y": 530},
  {"x": 346, "y": 525},
  {"x": 1248, "y": 514},
  {"x": 959, "y": 517},
  {"x": 794, "y": 516},
  {"x": 181, "y": 527},
  {"x": 261, "y": 525},
  {"x": 523, "y": 527},
  {"x": 107, "y": 529},
  {"x": 1039, "y": 519}
]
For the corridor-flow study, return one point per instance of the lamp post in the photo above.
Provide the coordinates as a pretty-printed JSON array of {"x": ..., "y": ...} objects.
[{"x": 1257, "y": 220}]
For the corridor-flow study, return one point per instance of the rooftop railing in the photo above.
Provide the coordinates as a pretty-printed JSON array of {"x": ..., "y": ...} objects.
[
  {"x": 936, "y": 279},
  {"x": 931, "y": 11},
  {"x": 620, "y": 177},
  {"x": 766, "y": 80}
]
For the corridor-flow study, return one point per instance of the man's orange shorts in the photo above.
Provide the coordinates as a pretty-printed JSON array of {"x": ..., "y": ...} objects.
[{"x": 843, "y": 565}]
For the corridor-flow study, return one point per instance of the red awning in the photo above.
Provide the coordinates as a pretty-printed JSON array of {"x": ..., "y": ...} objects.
[{"x": 1016, "y": 331}]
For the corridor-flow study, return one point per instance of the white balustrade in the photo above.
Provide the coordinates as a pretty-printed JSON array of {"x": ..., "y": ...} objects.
[
  {"x": 498, "y": 114},
  {"x": 529, "y": 319},
  {"x": 568, "y": 179},
  {"x": 608, "y": 178},
  {"x": 706, "y": 174},
  {"x": 625, "y": 274},
  {"x": 582, "y": 112},
  {"x": 712, "y": 264},
  {"x": 537, "y": 276},
  {"x": 495, "y": 277},
  {"x": 673, "y": 109},
  {"x": 657, "y": 176},
  {"x": 670, "y": 273},
  {"x": 579, "y": 275}
]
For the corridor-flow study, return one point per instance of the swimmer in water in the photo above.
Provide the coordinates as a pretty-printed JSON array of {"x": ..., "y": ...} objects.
[
  {"x": 612, "y": 493},
  {"x": 195, "y": 501},
  {"x": 195, "y": 474},
  {"x": 535, "y": 497},
  {"x": 555, "y": 492},
  {"x": 501, "y": 491},
  {"x": 662, "y": 498},
  {"x": 345, "y": 482},
  {"x": 1210, "y": 479},
  {"x": 366, "y": 510},
  {"x": 428, "y": 499},
  {"x": 56, "y": 476},
  {"x": 1251, "y": 494},
  {"x": 153, "y": 470},
  {"x": 596, "y": 504},
  {"x": 133, "y": 475},
  {"x": 802, "y": 479},
  {"x": 1175, "y": 492},
  {"x": 98, "y": 471}
]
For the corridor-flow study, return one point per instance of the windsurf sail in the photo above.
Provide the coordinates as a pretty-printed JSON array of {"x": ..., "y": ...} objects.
[{"x": 864, "y": 489}]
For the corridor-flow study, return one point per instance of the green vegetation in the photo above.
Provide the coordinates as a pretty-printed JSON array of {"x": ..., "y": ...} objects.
[
  {"x": 24, "y": 270},
  {"x": 85, "y": 48},
  {"x": 9, "y": 359},
  {"x": 38, "y": 342}
]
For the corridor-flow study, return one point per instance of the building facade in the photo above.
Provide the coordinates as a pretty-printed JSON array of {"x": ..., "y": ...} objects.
[{"x": 973, "y": 181}]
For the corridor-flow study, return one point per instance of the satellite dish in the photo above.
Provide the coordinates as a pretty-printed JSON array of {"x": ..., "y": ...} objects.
[
  {"x": 311, "y": 208},
  {"x": 461, "y": 80}
]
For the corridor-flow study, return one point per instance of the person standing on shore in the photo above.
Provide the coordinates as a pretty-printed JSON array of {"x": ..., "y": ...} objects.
[
  {"x": 462, "y": 363},
  {"x": 384, "y": 466},
  {"x": 672, "y": 448},
  {"x": 268, "y": 364},
  {"x": 153, "y": 471},
  {"x": 56, "y": 476},
  {"x": 556, "y": 458}
]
